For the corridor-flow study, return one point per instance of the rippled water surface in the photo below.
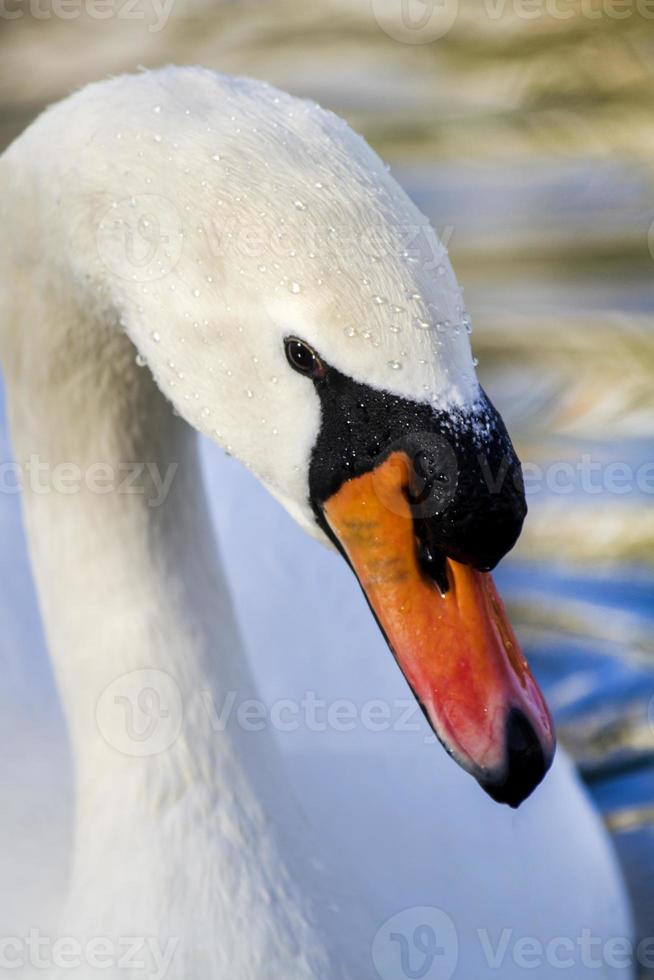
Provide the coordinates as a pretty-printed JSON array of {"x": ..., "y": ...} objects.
[{"x": 530, "y": 145}]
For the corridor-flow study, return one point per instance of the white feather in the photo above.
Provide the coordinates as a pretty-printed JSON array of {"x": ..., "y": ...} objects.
[{"x": 203, "y": 843}]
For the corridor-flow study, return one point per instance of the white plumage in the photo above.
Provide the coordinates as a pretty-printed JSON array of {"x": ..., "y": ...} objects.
[{"x": 198, "y": 220}]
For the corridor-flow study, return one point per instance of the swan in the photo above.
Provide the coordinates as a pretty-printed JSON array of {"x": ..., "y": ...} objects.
[{"x": 187, "y": 252}]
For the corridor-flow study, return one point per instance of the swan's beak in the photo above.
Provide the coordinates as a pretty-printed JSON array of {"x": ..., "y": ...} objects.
[{"x": 449, "y": 633}]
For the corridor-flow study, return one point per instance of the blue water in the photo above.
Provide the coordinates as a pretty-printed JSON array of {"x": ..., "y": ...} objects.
[{"x": 604, "y": 684}]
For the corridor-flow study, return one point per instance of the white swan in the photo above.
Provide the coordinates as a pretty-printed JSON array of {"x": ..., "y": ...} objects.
[{"x": 202, "y": 223}]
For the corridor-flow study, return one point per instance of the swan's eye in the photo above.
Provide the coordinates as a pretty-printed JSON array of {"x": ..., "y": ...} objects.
[{"x": 303, "y": 359}]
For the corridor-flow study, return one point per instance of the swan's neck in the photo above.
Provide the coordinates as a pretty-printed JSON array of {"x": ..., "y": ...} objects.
[
  {"x": 127, "y": 573},
  {"x": 176, "y": 817}
]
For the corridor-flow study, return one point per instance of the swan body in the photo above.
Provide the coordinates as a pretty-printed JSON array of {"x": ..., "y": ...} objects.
[{"x": 192, "y": 222}]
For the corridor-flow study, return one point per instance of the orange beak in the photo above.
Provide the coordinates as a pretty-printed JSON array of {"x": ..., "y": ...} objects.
[{"x": 456, "y": 649}]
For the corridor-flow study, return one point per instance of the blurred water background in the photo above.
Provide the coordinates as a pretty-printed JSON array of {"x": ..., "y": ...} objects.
[{"x": 526, "y": 133}]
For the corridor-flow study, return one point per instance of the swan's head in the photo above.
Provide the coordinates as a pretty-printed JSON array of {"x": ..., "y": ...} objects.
[{"x": 295, "y": 306}]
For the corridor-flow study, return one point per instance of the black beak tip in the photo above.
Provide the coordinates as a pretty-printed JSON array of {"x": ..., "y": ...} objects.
[{"x": 527, "y": 763}]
